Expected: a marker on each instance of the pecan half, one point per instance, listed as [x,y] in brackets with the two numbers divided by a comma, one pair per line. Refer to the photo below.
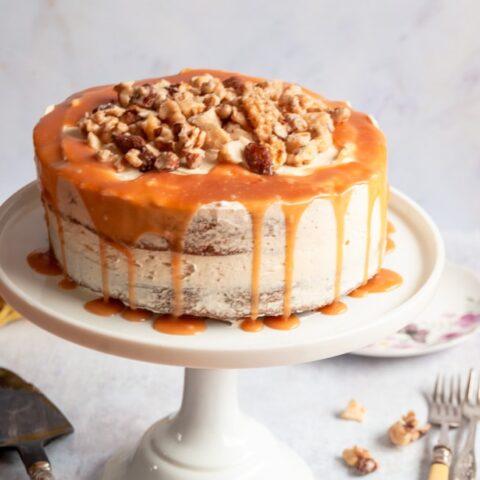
[148,160]
[258,159]
[126,142]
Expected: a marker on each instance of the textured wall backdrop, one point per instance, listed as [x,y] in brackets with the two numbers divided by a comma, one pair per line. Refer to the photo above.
[413,64]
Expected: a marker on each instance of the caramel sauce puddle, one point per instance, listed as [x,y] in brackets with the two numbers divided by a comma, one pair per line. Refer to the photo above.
[104,308]
[335,308]
[67,284]
[384,281]
[44,262]
[184,325]
[137,315]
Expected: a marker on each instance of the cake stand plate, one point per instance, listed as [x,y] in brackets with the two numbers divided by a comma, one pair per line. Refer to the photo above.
[209,438]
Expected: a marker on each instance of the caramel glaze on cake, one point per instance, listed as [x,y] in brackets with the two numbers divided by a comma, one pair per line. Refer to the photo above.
[163,204]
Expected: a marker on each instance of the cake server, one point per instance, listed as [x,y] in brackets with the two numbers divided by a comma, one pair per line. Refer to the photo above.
[28,421]
[444,410]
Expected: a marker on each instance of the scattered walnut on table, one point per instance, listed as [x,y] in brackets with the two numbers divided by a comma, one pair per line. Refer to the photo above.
[407,430]
[354,411]
[360,459]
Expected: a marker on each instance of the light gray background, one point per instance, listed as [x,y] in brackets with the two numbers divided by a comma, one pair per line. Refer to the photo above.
[413,64]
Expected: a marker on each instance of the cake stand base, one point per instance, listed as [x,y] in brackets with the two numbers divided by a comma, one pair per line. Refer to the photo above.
[208,439]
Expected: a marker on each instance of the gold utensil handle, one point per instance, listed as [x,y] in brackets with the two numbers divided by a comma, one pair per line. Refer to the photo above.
[40,471]
[438,471]
[442,459]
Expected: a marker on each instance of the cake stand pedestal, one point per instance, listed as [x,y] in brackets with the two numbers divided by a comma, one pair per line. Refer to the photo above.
[210,438]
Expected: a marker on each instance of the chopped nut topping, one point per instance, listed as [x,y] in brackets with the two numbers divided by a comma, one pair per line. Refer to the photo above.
[258,159]
[354,411]
[167,161]
[407,430]
[360,459]
[126,142]
[163,126]
[340,114]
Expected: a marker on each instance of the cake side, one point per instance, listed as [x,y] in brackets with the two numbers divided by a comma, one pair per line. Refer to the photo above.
[218,284]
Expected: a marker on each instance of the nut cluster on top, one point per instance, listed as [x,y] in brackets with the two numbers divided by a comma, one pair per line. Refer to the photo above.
[164,126]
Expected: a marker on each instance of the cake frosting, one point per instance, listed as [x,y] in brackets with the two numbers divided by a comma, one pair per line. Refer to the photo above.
[258,215]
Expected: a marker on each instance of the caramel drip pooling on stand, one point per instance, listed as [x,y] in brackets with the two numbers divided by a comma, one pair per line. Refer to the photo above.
[335,308]
[384,281]
[251,325]
[44,262]
[104,308]
[281,322]
[163,203]
[67,283]
[137,315]
[184,325]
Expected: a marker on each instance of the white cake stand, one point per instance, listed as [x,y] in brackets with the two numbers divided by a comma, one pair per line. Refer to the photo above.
[209,438]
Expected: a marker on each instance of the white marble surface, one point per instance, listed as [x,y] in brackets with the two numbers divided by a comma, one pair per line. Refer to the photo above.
[415,65]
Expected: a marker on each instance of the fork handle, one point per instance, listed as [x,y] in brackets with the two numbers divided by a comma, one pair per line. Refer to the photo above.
[465,467]
[442,458]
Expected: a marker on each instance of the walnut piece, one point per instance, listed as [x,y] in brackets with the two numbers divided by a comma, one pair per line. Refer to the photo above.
[360,459]
[259,125]
[407,430]
[354,411]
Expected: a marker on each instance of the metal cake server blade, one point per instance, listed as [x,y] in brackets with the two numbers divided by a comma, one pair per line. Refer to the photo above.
[28,421]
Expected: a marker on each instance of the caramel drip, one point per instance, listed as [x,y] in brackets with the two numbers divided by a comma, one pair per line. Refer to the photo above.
[251,325]
[390,245]
[104,308]
[61,237]
[184,325]
[176,263]
[104,268]
[131,269]
[257,215]
[335,308]
[383,227]
[293,215]
[340,206]
[384,281]
[132,275]
[137,315]
[373,194]
[44,262]
[67,284]
[282,323]
[391,228]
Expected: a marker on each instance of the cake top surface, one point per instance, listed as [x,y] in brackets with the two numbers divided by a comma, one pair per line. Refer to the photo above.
[115,188]
[192,125]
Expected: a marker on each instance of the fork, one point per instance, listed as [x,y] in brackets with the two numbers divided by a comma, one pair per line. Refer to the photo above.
[444,410]
[465,466]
